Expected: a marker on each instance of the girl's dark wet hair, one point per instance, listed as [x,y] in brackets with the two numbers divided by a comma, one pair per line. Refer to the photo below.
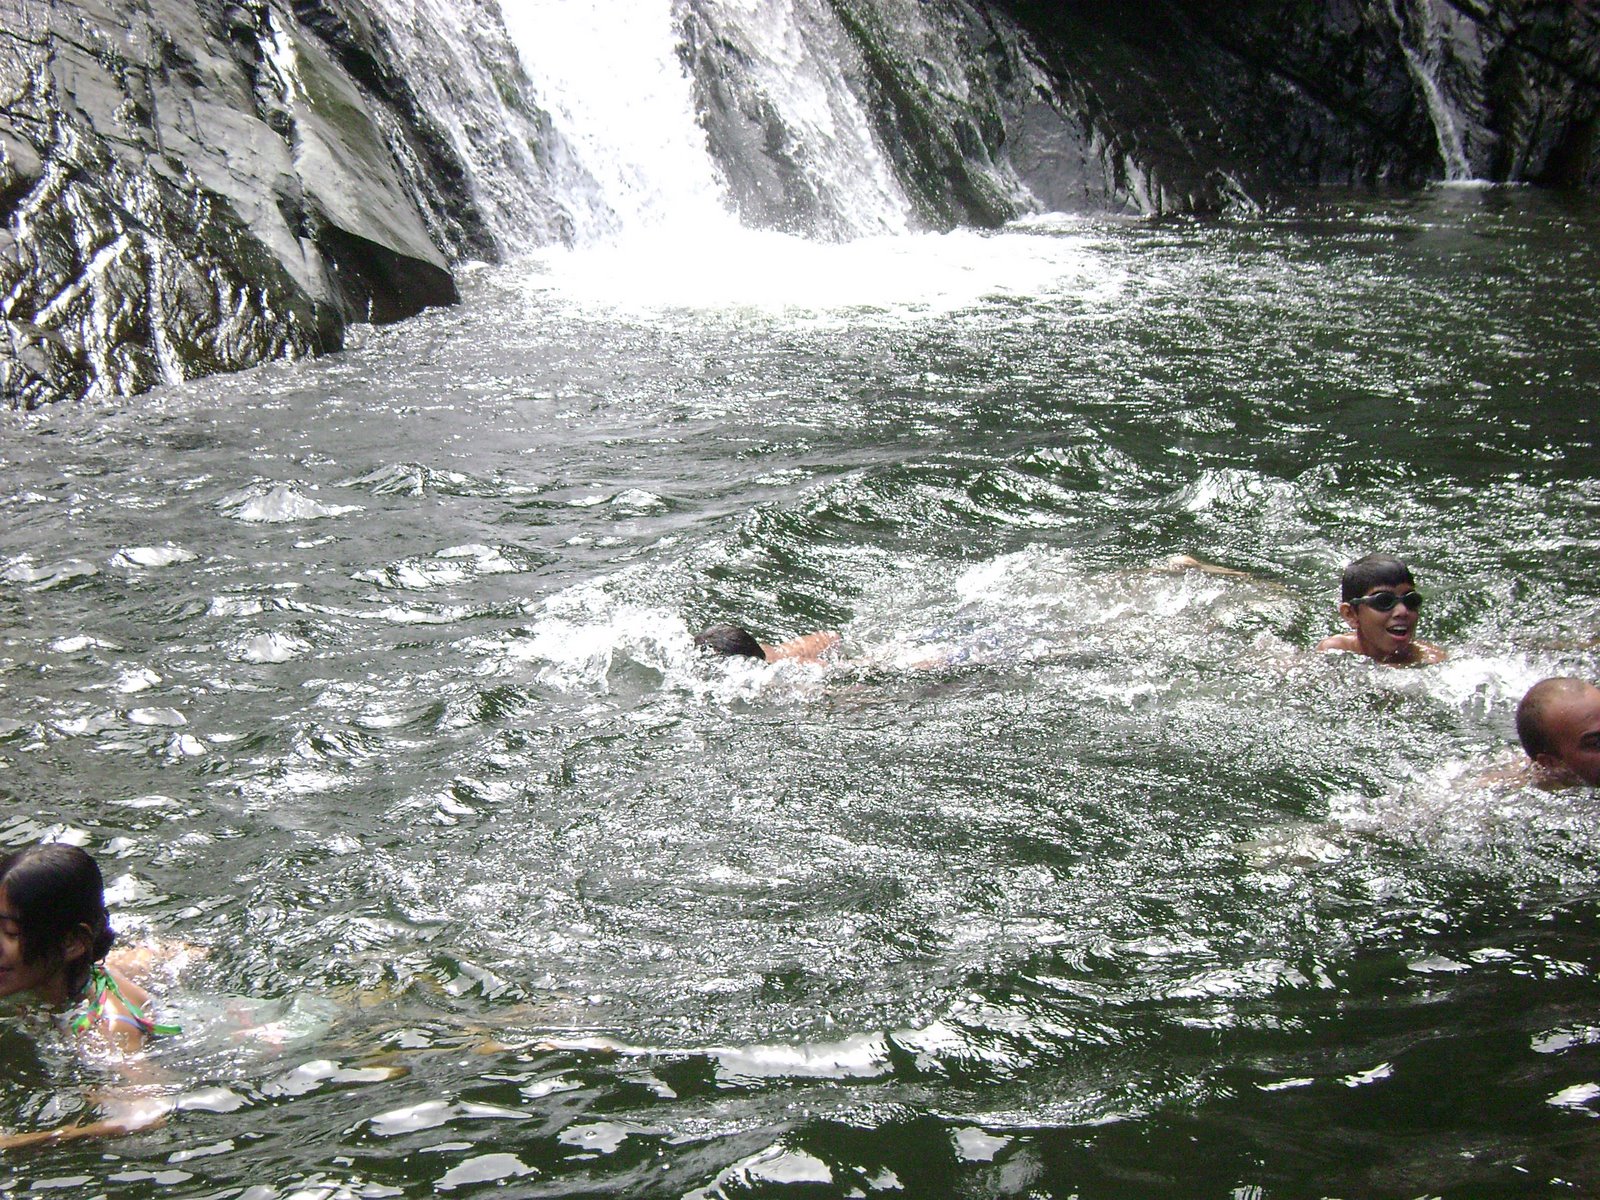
[52,890]
[1375,570]
[730,641]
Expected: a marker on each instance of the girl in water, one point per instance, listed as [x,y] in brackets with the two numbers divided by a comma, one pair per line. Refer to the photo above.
[54,937]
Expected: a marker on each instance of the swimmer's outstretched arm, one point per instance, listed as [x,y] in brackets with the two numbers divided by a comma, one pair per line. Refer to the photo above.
[125,1111]
[1188,562]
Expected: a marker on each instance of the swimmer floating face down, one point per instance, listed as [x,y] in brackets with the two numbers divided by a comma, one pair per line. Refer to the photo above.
[733,641]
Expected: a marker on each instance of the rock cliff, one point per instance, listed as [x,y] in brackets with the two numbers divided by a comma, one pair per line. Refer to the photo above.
[1200,106]
[189,187]
[1196,104]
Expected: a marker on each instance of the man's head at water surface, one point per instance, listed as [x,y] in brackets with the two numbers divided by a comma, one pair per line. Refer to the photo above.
[1375,571]
[1378,599]
[730,641]
[1558,723]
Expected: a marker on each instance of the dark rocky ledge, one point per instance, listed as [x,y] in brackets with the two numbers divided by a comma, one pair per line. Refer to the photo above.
[1202,105]
[189,188]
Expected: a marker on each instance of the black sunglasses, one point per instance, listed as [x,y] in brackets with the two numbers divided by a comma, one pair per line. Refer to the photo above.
[1385,601]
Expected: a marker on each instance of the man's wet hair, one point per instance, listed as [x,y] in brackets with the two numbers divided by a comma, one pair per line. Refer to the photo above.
[730,641]
[1533,713]
[1375,570]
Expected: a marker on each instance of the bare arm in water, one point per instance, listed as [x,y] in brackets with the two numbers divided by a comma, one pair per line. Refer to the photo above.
[126,1116]
[111,1025]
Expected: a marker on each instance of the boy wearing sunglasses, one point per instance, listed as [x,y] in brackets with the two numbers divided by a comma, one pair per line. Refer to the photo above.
[1379,600]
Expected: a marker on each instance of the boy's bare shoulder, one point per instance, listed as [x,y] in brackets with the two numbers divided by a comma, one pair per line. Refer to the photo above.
[1428,653]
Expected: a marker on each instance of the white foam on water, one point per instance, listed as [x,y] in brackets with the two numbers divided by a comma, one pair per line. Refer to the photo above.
[22,570]
[1580,1097]
[452,565]
[887,278]
[278,503]
[271,648]
[863,1056]
[152,556]
[137,680]
[156,716]
[80,642]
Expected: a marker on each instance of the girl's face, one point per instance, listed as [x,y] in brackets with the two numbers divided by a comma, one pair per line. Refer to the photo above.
[15,974]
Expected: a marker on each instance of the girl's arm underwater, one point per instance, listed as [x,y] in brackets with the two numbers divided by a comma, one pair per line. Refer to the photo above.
[126,1116]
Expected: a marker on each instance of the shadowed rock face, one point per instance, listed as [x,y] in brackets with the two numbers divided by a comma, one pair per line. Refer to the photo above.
[1196,105]
[992,108]
[189,186]
[186,189]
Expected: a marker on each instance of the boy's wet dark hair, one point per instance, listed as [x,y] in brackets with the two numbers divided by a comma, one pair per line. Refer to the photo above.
[53,889]
[730,641]
[1375,570]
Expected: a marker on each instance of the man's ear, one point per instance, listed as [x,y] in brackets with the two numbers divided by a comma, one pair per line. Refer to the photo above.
[1348,612]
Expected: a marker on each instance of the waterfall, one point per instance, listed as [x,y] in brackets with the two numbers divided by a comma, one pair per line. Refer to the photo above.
[1451,147]
[789,79]
[681,116]
[608,74]
[613,79]
[1427,58]
[464,74]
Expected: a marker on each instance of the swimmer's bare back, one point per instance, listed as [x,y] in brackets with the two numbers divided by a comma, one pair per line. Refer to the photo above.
[813,647]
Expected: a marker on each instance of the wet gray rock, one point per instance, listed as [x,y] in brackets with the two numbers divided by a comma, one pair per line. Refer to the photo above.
[189,188]
[991,108]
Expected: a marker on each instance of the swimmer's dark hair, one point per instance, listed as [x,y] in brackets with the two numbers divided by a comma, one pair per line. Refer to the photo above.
[1533,713]
[730,641]
[53,889]
[1375,570]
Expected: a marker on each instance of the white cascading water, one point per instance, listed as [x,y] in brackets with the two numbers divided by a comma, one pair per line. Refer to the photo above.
[1423,62]
[458,75]
[608,74]
[653,227]
[801,60]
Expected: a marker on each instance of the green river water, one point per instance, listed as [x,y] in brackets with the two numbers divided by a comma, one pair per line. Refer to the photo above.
[369,681]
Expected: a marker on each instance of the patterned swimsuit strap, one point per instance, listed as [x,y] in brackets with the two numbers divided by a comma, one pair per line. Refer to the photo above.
[100,983]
